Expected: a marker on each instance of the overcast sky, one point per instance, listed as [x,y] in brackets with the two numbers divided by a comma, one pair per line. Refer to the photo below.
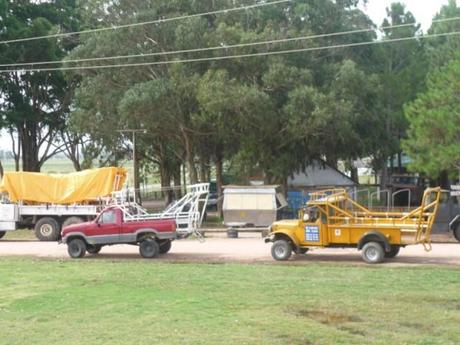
[423,10]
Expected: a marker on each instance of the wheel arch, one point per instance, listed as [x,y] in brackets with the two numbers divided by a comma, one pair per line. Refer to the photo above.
[283,235]
[146,232]
[374,236]
[75,236]
[454,222]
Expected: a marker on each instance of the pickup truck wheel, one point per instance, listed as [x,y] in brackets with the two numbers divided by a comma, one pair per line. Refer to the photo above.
[47,229]
[149,248]
[393,252]
[93,249]
[76,248]
[281,250]
[165,246]
[373,253]
[2,233]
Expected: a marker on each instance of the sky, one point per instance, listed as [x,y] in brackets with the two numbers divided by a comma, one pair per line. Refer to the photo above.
[423,10]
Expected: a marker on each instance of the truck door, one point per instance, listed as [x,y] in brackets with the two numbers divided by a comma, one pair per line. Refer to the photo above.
[108,226]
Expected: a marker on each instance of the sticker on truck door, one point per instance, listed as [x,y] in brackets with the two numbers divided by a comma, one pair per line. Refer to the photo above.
[311,233]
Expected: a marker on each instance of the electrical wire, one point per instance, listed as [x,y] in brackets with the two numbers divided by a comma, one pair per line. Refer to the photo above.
[222,47]
[216,58]
[157,21]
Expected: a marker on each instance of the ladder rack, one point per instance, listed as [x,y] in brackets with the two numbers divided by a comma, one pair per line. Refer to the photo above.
[188,212]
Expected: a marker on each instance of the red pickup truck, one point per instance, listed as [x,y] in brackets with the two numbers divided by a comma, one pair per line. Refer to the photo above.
[153,236]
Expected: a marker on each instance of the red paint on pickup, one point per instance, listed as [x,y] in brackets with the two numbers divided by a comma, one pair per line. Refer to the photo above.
[110,223]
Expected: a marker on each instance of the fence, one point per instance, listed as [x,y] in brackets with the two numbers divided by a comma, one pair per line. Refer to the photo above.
[371,197]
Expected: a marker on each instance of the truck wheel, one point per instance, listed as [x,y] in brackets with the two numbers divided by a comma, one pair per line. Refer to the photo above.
[71,221]
[93,249]
[2,233]
[149,248]
[373,253]
[281,250]
[457,233]
[165,246]
[76,248]
[47,229]
[393,252]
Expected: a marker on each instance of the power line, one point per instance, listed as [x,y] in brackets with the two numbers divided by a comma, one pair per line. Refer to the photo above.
[157,21]
[215,58]
[240,45]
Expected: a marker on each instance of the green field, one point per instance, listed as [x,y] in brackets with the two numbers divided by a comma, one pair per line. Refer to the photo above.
[146,302]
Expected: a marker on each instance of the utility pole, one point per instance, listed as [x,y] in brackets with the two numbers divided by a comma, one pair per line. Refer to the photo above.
[136,183]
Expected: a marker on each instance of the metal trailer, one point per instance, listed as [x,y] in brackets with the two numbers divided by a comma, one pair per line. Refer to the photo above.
[252,206]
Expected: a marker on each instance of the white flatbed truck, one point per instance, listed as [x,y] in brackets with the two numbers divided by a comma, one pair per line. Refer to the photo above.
[46,220]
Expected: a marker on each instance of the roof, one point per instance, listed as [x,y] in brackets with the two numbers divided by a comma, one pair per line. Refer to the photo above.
[319,173]
[263,189]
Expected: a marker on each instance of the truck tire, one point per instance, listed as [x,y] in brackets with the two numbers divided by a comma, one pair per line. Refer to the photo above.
[281,250]
[456,232]
[93,249]
[76,248]
[2,233]
[373,253]
[47,229]
[71,220]
[149,248]
[393,252]
[165,246]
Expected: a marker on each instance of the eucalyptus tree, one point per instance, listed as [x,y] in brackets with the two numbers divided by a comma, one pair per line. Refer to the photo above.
[34,104]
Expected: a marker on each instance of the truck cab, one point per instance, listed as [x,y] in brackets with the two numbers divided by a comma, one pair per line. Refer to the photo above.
[153,236]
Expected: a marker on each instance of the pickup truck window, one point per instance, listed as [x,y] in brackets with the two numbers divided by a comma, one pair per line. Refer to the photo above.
[108,217]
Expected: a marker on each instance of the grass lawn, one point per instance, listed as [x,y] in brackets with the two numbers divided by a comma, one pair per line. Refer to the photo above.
[23,234]
[145,302]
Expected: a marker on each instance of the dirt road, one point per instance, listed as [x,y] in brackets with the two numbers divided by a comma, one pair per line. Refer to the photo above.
[245,250]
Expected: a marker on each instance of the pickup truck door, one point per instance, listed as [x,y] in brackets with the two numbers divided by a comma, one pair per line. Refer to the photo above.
[107,227]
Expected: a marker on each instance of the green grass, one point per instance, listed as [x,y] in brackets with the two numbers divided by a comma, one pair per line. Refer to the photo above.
[23,234]
[146,302]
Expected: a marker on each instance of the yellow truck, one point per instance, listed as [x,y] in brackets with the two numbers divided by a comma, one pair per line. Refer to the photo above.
[332,218]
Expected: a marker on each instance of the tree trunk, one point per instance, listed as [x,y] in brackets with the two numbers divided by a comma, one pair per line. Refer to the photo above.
[203,177]
[1,170]
[384,176]
[27,135]
[177,182]
[331,161]
[165,181]
[193,176]
[219,183]
[443,180]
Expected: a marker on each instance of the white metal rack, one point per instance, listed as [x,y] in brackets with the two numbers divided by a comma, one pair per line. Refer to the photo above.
[188,212]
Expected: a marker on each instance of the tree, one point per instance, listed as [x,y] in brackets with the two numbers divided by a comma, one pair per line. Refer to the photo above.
[441,50]
[35,103]
[402,70]
[434,119]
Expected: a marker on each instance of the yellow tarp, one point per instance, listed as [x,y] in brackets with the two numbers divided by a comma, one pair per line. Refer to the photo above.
[62,188]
